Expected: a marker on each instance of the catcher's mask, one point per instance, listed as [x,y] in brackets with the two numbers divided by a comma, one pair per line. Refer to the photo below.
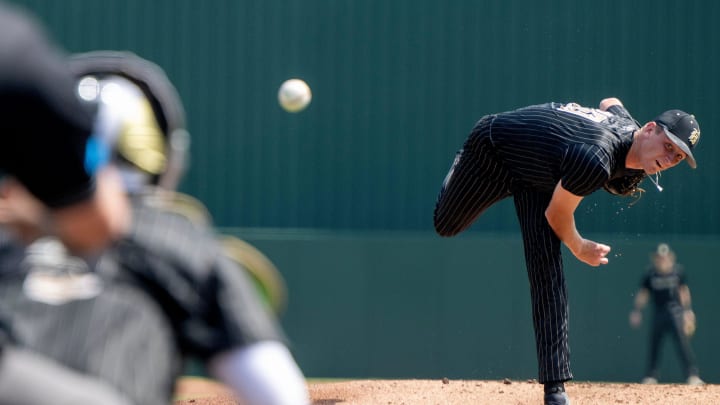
[144,112]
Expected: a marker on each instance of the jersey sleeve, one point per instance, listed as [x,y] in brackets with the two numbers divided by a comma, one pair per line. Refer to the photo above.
[585,168]
[245,318]
[210,300]
[682,278]
[645,281]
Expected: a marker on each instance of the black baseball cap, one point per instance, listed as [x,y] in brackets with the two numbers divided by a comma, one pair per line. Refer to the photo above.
[683,129]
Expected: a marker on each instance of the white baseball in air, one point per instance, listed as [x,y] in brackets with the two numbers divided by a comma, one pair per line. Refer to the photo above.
[294,95]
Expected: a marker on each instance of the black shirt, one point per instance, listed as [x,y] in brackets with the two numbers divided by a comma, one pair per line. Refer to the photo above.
[583,147]
[664,287]
[164,293]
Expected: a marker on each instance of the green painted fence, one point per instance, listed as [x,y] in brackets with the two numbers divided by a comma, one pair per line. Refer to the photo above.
[394,305]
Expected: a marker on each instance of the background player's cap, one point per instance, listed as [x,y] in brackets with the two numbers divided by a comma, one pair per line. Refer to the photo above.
[683,129]
[663,250]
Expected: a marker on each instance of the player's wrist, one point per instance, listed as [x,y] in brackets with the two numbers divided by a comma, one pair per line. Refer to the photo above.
[574,244]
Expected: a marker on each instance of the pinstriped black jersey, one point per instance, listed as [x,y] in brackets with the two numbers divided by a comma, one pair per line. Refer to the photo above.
[164,293]
[582,147]
[117,333]
[209,298]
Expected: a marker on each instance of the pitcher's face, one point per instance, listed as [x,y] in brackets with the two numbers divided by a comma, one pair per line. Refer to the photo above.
[658,152]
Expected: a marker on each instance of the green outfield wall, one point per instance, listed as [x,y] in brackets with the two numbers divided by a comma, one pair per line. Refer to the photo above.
[398,305]
[341,195]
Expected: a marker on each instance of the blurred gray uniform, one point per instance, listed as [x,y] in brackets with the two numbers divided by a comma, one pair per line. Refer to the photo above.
[46,144]
[164,294]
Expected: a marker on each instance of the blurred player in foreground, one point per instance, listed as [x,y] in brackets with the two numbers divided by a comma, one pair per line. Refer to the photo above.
[165,293]
[48,145]
[548,157]
[672,312]
[61,188]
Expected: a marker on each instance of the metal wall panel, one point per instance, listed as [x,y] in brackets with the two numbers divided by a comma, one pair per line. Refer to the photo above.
[397,85]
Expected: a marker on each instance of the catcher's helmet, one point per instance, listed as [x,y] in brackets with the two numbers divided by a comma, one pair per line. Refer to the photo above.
[151,143]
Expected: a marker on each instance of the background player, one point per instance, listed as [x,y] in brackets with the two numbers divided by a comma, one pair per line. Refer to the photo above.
[548,157]
[77,199]
[166,292]
[672,312]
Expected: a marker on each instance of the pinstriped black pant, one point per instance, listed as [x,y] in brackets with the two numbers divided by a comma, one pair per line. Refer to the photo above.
[477,180]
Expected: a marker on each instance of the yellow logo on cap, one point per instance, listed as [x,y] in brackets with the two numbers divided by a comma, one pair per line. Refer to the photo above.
[694,136]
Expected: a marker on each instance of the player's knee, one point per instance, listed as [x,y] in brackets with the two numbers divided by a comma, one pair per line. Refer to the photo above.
[442,231]
[445,228]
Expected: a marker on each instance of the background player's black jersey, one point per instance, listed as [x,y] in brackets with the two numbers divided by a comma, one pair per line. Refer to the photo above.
[664,288]
[583,147]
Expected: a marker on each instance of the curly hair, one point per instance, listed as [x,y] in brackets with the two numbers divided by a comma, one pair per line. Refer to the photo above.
[628,186]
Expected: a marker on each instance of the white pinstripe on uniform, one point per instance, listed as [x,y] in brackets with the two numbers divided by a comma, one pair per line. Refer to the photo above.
[524,153]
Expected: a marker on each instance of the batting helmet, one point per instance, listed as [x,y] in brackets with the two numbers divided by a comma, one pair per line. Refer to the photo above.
[151,143]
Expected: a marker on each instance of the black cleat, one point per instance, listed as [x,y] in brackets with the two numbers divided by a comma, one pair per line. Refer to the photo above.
[556,396]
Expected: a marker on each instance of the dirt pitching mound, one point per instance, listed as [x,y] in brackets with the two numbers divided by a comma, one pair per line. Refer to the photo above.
[197,391]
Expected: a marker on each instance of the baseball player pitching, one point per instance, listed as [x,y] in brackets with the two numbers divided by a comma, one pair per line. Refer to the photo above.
[548,157]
